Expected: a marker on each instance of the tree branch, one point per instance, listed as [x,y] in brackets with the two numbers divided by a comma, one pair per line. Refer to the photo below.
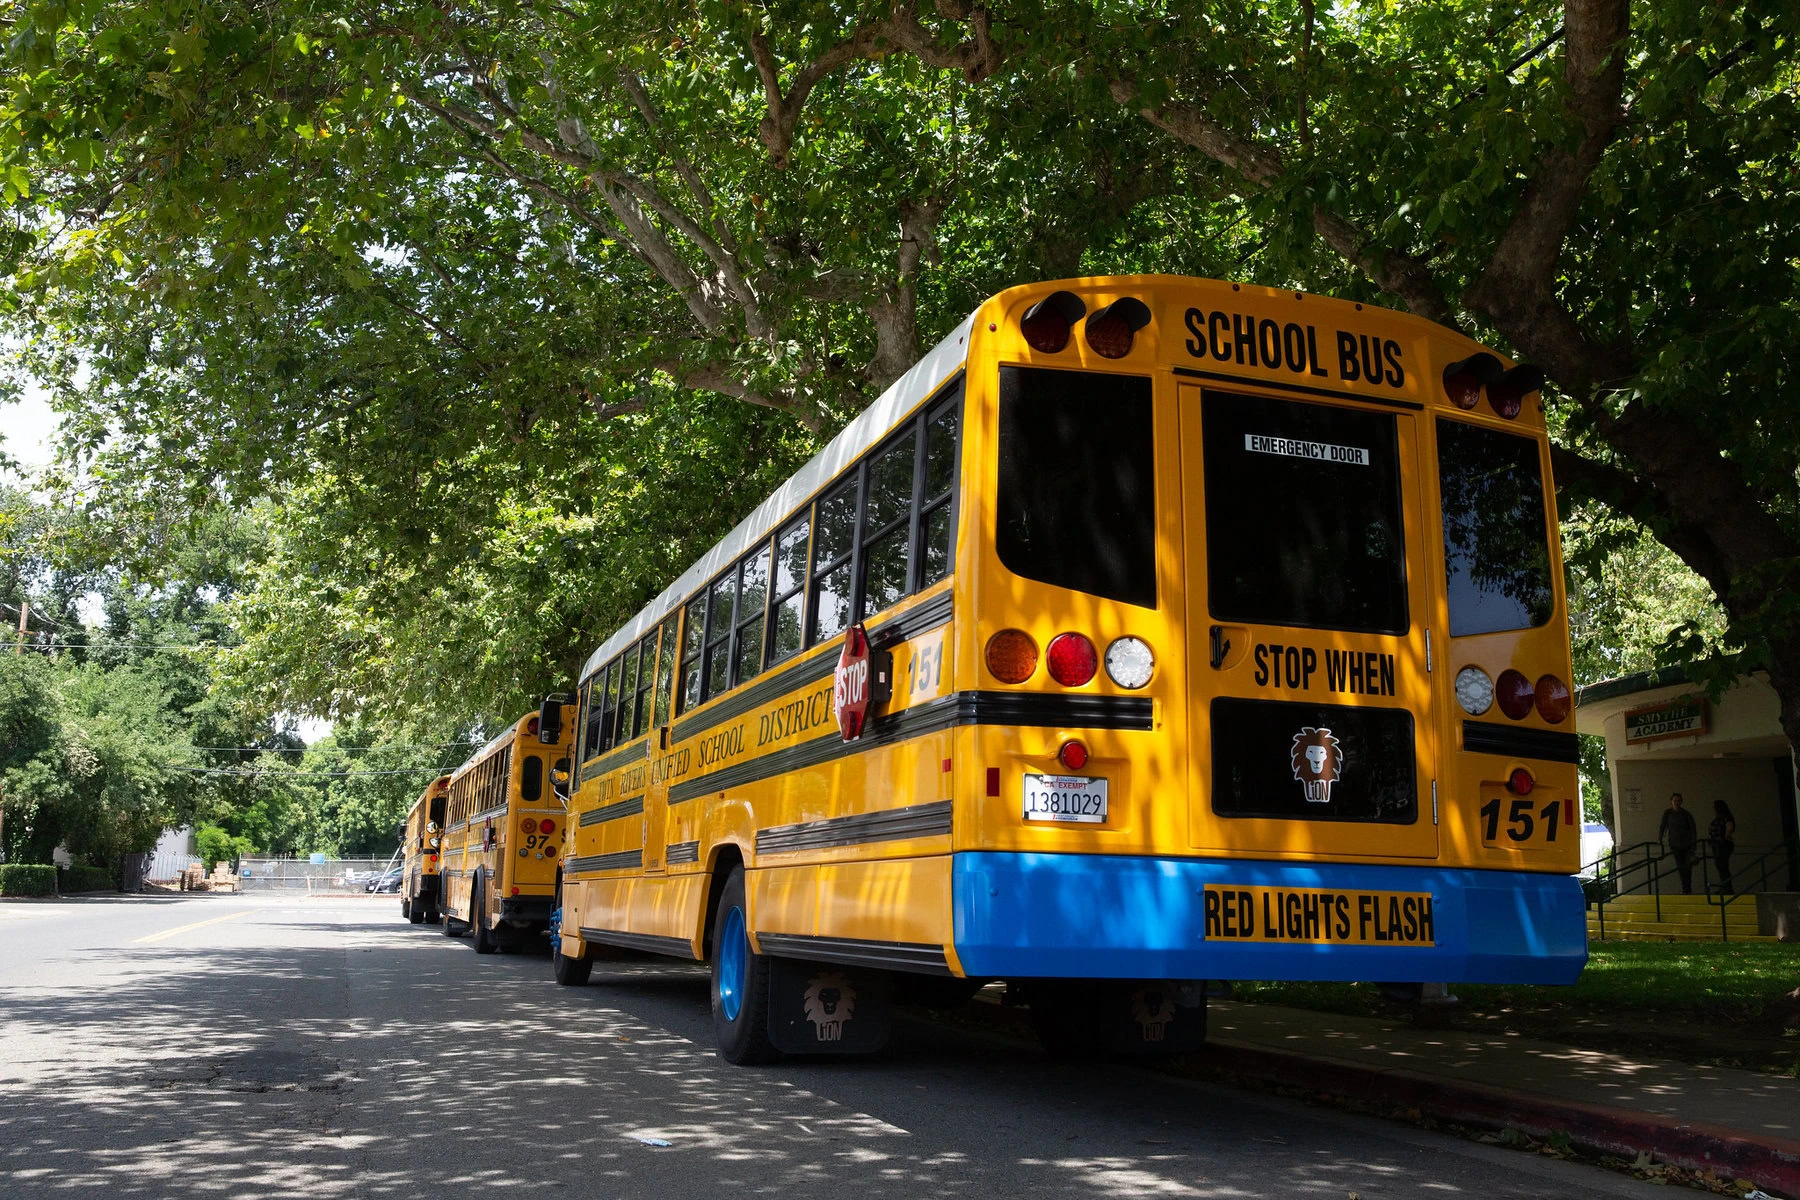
[1392,270]
[976,58]
[1517,287]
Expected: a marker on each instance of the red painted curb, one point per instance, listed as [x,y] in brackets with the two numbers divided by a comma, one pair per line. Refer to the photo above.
[1772,1163]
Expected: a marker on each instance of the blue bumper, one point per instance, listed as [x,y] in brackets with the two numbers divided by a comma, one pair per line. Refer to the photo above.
[1118,917]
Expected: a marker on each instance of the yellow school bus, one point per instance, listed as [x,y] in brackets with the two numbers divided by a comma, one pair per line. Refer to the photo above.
[1149,631]
[504,834]
[421,849]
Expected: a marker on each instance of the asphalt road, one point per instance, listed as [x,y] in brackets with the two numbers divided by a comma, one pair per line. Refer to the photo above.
[265,1046]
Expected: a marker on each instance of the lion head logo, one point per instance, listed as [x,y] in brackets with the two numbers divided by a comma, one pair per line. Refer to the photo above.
[1317,760]
[1153,1008]
[830,1001]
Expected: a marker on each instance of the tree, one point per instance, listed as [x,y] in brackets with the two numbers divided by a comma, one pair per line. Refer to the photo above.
[559,205]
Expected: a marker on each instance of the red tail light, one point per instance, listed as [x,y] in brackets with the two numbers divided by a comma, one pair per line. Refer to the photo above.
[1520,782]
[1507,393]
[515,891]
[1514,693]
[531,727]
[1073,755]
[1111,331]
[1464,379]
[1553,699]
[546,827]
[1072,659]
[1047,323]
[528,825]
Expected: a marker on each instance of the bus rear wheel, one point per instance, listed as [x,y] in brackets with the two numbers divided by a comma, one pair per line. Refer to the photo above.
[406,910]
[484,942]
[740,982]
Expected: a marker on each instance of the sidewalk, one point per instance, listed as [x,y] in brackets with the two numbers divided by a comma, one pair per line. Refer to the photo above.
[1737,1123]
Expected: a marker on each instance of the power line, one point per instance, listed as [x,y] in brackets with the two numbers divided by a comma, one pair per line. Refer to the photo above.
[321,748]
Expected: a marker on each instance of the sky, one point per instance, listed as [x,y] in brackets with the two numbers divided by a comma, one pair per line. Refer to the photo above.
[26,429]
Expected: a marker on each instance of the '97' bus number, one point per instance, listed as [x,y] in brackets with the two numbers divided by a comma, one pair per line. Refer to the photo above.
[1521,822]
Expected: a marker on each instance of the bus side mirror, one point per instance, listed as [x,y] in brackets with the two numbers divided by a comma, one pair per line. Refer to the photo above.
[550,718]
[559,779]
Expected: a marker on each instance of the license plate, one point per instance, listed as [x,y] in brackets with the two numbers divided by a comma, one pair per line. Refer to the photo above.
[1319,916]
[1065,798]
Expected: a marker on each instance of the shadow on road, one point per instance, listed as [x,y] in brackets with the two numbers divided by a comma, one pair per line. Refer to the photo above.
[355,1058]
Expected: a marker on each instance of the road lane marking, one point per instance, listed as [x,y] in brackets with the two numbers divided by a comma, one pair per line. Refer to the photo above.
[169,933]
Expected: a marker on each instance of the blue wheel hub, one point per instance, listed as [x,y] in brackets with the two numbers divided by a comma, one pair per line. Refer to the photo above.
[734,963]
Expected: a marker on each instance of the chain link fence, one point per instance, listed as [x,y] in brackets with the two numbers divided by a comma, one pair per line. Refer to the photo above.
[341,875]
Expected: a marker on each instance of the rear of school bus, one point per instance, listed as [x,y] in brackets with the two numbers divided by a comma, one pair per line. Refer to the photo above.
[1264,594]
[508,820]
[422,851]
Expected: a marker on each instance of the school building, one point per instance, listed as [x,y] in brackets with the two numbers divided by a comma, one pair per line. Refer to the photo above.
[1664,734]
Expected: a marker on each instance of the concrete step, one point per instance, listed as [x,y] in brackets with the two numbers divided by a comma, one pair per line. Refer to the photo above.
[1642,935]
[1676,918]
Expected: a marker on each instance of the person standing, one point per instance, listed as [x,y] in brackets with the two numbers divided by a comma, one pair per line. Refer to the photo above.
[1720,834]
[1679,835]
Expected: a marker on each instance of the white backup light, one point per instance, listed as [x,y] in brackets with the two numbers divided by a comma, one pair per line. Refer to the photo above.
[1474,690]
[1129,662]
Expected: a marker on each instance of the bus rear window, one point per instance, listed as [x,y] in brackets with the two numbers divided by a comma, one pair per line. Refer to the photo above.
[1077,496]
[1496,540]
[1303,515]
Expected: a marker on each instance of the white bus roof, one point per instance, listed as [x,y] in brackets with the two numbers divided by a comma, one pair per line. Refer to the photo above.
[874,422]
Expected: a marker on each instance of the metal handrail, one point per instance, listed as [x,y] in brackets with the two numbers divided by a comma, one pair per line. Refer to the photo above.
[1654,865]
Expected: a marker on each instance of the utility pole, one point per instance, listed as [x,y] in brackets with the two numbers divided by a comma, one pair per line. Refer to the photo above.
[24,611]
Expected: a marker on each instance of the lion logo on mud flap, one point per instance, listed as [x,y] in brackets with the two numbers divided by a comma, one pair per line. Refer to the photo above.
[830,1001]
[1317,760]
[1153,1008]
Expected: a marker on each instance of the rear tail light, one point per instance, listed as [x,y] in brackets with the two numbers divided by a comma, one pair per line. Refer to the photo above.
[546,827]
[515,891]
[1073,755]
[1515,694]
[1071,659]
[1474,690]
[1552,699]
[1047,323]
[1129,662]
[531,727]
[528,825]
[1507,394]
[1011,656]
[1111,331]
[1464,379]
[1520,782]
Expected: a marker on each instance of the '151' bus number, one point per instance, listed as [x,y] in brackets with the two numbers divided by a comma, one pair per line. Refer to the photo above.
[1520,821]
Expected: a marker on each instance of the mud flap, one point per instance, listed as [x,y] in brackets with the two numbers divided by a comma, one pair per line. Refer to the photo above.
[822,1008]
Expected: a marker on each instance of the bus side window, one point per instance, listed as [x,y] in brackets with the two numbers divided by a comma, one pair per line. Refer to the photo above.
[832,544]
[693,641]
[531,779]
[640,708]
[887,524]
[590,715]
[752,606]
[937,492]
[609,719]
[718,634]
[665,673]
[786,628]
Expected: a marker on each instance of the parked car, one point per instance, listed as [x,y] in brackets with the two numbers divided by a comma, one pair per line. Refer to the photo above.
[1596,843]
[386,881]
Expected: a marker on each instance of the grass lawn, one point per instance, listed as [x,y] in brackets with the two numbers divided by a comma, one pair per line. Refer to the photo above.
[1704,1002]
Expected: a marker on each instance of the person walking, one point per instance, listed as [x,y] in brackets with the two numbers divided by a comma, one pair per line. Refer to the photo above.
[1720,834]
[1679,835]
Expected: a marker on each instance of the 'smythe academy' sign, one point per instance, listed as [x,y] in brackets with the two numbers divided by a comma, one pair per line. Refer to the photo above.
[1684,716]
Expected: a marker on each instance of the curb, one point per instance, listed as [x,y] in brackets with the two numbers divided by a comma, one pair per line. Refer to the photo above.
[1774,1163]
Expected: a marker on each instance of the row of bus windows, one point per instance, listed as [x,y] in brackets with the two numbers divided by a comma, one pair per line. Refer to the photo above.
[881,531]
[481,788]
